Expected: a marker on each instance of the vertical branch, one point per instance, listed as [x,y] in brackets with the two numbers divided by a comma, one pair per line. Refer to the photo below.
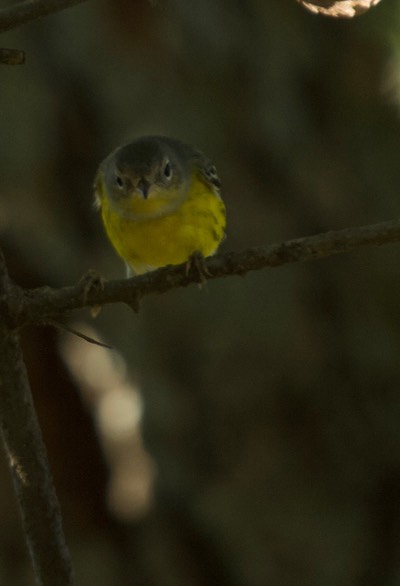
[27,457]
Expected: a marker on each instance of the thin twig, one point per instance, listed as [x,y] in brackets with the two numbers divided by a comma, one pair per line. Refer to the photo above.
[55,324]
[27,457]
[28,10]
[38,305]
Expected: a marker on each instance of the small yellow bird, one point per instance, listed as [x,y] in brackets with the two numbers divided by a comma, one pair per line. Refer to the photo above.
[160,203]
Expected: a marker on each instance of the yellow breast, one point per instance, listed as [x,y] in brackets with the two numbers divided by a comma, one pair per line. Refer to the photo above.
[198,224]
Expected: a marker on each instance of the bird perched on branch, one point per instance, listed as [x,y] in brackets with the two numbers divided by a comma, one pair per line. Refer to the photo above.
[160,203]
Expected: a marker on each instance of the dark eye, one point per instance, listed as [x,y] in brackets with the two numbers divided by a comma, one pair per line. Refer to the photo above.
[167,171]
[119,181]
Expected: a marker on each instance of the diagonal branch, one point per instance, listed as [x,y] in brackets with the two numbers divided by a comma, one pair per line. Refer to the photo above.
[38,305]
[28,10]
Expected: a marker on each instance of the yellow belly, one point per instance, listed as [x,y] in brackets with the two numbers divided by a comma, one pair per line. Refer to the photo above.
[145,244]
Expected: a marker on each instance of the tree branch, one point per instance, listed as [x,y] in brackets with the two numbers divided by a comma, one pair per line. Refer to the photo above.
[18,307]
[28,10]
[26,453]
[38,305]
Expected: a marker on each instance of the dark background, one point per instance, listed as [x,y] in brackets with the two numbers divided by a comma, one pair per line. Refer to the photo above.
[247,433]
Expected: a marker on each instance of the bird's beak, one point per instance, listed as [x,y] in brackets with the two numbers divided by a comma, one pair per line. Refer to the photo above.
[143,186]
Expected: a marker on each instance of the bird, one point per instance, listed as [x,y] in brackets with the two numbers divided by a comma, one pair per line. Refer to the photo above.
[160,203]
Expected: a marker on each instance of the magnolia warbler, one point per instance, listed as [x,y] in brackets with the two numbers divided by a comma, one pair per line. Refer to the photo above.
[160,203]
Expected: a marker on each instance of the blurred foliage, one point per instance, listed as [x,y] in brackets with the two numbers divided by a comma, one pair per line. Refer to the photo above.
[271,404]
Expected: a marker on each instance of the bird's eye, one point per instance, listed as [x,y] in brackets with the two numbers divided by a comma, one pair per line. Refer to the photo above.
[167,171]
[119,181]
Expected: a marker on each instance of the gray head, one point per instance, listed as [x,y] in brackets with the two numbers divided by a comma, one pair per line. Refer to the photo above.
[146,163]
